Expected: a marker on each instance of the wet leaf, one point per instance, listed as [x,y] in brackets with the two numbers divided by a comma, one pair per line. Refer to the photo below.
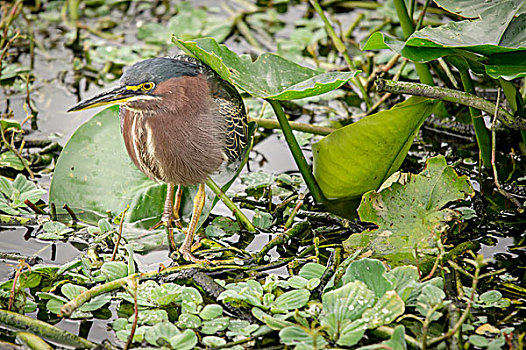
[14,193]
[344,305]
[385,311]
[222,226]
[151,317]
[262,219]
[371,272]
[184,341]
[211,311]
[297,282]
[113,270]
[54,230]
[311,270]
[162,330]
[213,326]
[379,144]
[411,213]
[294,299]
[188,321]
[10,160]
[430,298]
[404,279]
[295,335]
[213,341]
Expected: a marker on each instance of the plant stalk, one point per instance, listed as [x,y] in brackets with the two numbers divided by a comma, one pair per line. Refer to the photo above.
[310,128]
[422,69]
[481,132]
[245,222]
[43,329]
[295,149]
[340,46]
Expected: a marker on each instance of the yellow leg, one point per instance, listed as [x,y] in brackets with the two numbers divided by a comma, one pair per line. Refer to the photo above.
[186,247]
[177,205]
[171,213]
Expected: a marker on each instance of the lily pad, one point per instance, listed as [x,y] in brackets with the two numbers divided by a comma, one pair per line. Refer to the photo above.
[361,156]
[410,214]
[270,76]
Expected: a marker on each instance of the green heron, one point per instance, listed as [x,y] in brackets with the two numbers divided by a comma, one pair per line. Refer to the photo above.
[180,122]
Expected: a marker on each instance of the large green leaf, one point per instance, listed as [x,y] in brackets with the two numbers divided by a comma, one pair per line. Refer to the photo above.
[498,35]
[499,29]
[410,213]
[270,76]
[469,8]
[359,157]
[95,174]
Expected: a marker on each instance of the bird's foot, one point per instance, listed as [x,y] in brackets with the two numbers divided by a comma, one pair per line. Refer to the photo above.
[188,256]
[168,221]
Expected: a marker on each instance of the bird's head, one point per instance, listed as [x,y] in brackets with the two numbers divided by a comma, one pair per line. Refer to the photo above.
[139,83]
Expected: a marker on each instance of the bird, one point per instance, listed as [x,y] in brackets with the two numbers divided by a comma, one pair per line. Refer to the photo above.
[181,122]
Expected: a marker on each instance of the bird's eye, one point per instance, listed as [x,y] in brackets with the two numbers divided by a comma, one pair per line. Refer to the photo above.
[147,86]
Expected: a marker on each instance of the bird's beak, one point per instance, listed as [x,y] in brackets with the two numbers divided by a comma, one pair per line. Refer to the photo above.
[116,95]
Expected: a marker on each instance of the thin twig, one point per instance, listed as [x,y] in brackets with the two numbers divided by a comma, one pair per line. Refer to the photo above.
[116,248]
[340,46]
[133,285]
[33,207]
[18,155]
[241,218]
[294,211]
[493,165]
[20,267]
[68,308]
[478,264]
[70,212]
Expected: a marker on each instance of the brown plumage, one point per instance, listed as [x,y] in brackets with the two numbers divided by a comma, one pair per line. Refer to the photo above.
[180,121]
[205,124]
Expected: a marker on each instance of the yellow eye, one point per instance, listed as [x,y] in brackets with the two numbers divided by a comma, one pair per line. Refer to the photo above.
[147,86]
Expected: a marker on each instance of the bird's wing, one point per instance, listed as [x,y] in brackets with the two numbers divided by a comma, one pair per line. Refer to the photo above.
[231,108]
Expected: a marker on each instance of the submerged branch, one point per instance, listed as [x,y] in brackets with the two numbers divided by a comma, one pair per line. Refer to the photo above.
[43,329]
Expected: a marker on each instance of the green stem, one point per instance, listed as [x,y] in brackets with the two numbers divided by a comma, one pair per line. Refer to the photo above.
[451,95]
[481,132]
[295,149]
[408,28]
[245,222]
[43,329]
[32,341]
[312,129]
[422,69]
[340,46]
